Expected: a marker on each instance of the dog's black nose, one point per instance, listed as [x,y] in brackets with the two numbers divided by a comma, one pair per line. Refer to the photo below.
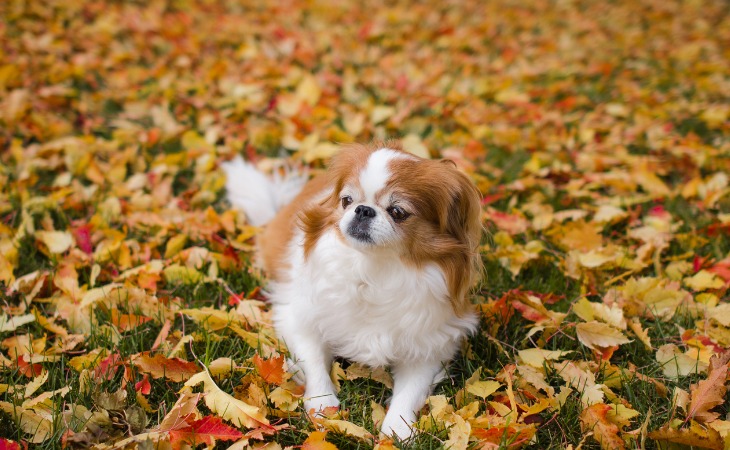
[362,212]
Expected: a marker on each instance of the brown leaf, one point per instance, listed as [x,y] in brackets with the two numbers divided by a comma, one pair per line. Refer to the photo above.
[710,392]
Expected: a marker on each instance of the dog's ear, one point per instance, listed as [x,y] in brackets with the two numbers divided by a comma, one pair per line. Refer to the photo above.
[465,226]
[448,162]
[464,218]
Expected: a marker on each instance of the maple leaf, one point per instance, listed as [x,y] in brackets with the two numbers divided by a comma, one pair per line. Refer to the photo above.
[710,392]
[203,431]
[595,418]
[271,370]
[159,366]
[219,402]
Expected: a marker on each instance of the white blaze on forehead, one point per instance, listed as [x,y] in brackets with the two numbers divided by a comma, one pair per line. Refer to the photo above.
[376,174]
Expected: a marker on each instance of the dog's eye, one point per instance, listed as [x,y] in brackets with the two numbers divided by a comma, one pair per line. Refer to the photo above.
[397,213]
[346,201]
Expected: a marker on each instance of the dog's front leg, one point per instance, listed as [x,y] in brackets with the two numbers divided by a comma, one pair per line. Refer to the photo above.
[412,385]
[314,359]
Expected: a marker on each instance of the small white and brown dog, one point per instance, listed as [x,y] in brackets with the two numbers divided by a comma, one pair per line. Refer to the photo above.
[371,261]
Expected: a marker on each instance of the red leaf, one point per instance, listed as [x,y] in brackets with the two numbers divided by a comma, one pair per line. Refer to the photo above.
[28,369]
[144,387]
[271,370]
[108,367]
[204,431]
[82,235]
[9,445]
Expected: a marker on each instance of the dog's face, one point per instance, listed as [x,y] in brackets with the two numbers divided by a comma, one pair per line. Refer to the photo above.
[374,212]
[383,199]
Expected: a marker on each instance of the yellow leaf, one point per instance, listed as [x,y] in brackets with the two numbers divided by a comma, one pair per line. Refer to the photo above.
[720,313]
[181,274]
[225,405]
[458,434]
[378,414]
[11,323]
[175,244]
[596,335]
[412,143]
[640,333]
[695,436]
[308,90]
[536,357]
[511,96]
[221,366]
[348,428]
[582,381]
[483,389]
[55,241]
[381,113]
[675,363]
[212,319]
[39,427]
[703,280]
[379,374]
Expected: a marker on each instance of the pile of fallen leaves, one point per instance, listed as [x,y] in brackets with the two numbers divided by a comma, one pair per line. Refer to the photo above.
[598,133]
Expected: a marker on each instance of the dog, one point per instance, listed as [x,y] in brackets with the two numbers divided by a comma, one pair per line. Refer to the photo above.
[371,261]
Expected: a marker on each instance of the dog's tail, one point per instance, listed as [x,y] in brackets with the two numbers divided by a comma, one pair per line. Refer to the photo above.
[260,196]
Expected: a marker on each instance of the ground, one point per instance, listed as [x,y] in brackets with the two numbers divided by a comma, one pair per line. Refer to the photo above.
[597,132]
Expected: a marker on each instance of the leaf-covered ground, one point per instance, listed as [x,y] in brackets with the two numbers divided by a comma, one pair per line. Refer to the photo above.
[598,133]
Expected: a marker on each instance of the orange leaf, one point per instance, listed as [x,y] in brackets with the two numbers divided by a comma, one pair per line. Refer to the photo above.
[204,431]
[271,370]
[159,366]
[594,418]
[316,441]
[126,322]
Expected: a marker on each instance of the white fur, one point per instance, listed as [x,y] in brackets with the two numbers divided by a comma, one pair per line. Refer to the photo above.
[366,305]
[376,173]
[258,195]
[371,308]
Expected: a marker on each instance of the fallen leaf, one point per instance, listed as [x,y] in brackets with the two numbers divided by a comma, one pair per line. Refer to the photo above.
[203,431]
[219,402]
[595,419]
[710,392]
[159,366]
[595,334]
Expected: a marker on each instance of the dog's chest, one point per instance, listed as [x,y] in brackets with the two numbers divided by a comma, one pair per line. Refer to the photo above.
[373,308]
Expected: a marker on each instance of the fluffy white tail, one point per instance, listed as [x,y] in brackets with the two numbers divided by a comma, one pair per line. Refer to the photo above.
[258,195]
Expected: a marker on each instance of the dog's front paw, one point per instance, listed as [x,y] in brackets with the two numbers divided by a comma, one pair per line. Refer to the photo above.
[398,426]
[316,404]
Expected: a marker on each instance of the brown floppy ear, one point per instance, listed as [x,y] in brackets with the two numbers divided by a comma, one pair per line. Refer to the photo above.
[448,162]
[465,226]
